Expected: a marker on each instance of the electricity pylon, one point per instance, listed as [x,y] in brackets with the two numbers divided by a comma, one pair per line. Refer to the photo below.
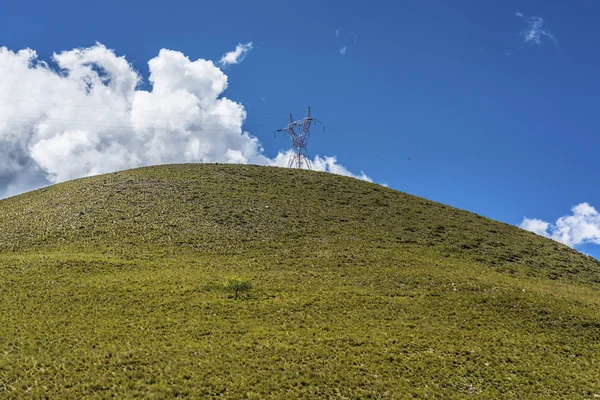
[300,155]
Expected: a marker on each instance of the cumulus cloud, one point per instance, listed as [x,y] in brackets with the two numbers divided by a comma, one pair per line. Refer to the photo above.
[326,164]
[84,114]
[580,227]
[535,31]
[236,56]
[329,164]
[536,226]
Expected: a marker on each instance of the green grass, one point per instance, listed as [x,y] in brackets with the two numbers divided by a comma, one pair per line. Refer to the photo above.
[113,286]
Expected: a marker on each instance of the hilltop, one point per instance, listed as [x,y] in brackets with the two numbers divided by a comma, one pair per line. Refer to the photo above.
[113,286]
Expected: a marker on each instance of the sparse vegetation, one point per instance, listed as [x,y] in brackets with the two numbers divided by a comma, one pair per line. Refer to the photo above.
[112,286]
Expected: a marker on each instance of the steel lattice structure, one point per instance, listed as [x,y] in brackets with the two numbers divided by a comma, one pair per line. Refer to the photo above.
[300,155]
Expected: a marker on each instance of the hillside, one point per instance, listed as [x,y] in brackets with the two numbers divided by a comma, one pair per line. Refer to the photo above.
[113,286]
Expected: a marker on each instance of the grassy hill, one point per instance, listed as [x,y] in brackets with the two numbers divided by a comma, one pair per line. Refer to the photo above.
[113,286]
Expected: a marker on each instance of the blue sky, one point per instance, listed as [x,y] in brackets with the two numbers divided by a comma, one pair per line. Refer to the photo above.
[495,118]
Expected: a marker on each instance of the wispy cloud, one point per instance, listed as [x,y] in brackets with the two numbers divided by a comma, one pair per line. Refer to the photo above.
[580,227]
[345,38]
[236,56]
[535,31]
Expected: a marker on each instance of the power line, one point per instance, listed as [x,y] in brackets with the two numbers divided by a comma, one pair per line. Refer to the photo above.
[124,125]
[389,164]
[44,119]
[118,109]
[120,124]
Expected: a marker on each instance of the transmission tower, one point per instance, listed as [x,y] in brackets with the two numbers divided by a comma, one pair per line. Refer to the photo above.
[300,155]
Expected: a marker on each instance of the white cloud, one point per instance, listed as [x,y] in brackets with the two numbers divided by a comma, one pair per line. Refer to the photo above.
[536,226]
[86,116]
[582,226]
[236,56]
[535,31]
[344,49]
[326,164]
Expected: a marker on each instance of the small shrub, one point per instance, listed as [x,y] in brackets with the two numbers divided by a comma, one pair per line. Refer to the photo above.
[238,285]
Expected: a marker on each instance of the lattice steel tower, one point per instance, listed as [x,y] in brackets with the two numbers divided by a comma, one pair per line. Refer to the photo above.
[300,155]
